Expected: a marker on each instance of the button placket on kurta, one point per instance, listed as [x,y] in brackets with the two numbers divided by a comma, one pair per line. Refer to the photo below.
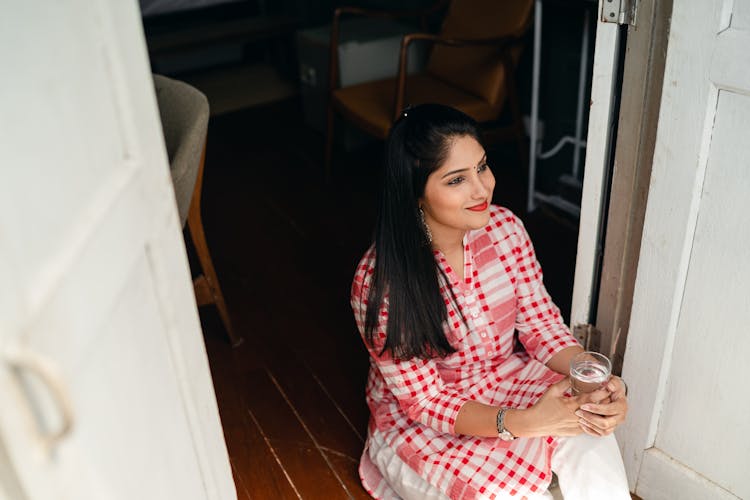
[469,290]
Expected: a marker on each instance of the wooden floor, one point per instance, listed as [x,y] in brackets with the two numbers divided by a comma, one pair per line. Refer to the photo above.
[285,246]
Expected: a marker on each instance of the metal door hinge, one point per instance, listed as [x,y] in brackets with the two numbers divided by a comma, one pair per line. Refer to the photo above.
[619,11]
[589,336]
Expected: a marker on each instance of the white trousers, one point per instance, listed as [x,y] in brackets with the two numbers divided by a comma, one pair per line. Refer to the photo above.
[587,468]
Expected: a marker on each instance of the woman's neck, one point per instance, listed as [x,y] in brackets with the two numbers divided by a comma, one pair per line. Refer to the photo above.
[452,247]
[448,242]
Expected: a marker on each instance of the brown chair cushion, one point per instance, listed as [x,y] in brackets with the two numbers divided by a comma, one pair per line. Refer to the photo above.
[478,70]
[473,19]
[370,105]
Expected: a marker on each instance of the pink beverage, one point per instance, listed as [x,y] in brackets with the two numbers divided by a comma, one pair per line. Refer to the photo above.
[588,372]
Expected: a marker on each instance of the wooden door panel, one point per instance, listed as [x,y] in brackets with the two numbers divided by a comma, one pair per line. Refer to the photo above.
[71,166]
[711,346]
[128,413]
[740,16]
[686,435]
[96,293]
[91,279]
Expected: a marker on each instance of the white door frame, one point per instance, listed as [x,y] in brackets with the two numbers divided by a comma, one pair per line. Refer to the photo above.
[642,79]
[595,176]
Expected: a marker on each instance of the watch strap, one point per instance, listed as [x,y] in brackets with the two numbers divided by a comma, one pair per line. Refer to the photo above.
[502,432]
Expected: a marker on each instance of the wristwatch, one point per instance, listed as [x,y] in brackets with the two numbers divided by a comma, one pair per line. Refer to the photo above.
[502,432]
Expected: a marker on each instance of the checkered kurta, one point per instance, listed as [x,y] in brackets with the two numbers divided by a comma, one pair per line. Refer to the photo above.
[414,403]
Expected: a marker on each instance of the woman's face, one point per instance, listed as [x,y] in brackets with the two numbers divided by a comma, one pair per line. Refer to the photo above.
[457,195]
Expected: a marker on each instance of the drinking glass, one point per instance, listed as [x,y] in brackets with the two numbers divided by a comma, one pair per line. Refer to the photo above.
[589,371]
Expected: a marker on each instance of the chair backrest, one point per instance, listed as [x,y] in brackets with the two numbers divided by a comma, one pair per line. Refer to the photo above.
[479,70]
[184,118]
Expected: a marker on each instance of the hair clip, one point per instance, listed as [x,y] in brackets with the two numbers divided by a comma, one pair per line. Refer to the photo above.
[405,112]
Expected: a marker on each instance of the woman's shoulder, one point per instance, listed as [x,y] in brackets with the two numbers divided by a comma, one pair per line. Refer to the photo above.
[367,262]
[364,271]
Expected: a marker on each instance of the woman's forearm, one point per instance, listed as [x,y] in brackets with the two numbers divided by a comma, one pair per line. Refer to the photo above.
[560,362]
[477,419]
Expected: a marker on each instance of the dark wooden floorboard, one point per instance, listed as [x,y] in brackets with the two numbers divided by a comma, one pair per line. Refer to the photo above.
[285,246]
[349,474]
[299,453]
[256,470]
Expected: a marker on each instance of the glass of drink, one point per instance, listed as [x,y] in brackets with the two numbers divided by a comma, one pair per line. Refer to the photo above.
[589,371]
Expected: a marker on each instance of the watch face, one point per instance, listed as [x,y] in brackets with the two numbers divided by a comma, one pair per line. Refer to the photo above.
[502,432]
[506,436]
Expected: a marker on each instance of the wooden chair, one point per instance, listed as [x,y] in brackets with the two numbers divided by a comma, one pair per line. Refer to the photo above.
[471,67]
[184,116]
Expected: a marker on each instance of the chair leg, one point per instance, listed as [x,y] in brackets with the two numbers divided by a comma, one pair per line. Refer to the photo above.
[210,281]
[329,144]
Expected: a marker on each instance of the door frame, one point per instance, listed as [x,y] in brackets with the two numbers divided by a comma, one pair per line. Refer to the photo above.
[643,76]
[616,185]
[596,170]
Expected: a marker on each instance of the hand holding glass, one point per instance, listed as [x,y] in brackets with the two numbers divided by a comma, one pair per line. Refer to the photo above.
[589,371]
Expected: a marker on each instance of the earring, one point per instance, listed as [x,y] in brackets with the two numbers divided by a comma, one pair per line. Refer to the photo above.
[427,231]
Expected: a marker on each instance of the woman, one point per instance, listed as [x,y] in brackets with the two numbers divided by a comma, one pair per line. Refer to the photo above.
[455,412]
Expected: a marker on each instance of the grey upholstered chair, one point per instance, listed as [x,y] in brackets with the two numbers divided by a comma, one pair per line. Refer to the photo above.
[184,117]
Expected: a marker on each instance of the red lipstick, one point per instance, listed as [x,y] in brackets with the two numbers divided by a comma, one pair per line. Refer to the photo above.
[479,208]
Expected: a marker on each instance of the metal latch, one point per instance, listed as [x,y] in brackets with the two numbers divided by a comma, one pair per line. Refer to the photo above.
[619,11]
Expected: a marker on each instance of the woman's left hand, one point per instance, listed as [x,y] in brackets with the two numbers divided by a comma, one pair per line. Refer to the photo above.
[603,418]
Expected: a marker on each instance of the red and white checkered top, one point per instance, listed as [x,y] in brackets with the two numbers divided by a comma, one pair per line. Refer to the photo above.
[414,403]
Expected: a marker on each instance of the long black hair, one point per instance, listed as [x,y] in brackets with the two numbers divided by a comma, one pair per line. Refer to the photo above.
[405,266]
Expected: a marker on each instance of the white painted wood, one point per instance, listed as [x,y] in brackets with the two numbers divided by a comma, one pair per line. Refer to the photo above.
[664,478]
[96,289]
[687,349]
[714,315]
[595,179]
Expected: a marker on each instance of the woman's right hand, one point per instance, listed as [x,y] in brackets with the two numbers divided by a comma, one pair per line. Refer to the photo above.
[554,413]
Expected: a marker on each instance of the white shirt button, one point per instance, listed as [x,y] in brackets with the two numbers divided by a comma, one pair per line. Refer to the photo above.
[483,334]
[474,313]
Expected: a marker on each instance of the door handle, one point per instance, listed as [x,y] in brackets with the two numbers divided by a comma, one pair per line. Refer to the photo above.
[26,364]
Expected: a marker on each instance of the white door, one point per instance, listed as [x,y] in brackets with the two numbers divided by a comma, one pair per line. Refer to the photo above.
[105,390]
[688,432]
